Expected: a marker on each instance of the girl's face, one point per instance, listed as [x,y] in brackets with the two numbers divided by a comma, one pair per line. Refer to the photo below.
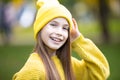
[55,33]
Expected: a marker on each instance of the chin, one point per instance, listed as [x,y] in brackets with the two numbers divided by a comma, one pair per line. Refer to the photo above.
[55,47]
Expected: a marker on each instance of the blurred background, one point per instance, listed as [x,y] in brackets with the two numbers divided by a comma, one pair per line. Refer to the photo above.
[98,20]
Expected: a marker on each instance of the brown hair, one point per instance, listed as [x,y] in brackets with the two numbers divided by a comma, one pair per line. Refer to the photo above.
[63,54]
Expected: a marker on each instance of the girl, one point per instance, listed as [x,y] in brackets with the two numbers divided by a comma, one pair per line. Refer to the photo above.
[56,33]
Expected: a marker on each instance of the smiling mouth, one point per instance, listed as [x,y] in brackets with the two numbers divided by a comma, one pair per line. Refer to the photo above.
[56,39]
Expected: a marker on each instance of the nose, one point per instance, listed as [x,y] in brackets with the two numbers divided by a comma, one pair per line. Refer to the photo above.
[59,32]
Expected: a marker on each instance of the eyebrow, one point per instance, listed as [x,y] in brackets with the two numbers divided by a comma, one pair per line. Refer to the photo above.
[54,22]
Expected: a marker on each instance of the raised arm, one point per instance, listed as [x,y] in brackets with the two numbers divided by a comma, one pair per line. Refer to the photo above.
[93,65]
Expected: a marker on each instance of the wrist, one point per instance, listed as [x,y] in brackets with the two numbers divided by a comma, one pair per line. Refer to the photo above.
[75,36]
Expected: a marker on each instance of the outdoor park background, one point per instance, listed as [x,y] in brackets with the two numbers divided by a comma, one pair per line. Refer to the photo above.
[99,21]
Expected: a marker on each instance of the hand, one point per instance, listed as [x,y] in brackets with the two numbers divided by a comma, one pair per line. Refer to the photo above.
[75,31]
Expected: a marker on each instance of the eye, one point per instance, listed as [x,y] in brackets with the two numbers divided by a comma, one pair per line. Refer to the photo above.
[66,27]
[53,23]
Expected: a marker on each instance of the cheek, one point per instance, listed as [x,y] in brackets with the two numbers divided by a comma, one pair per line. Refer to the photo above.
[44,34]
[65,34]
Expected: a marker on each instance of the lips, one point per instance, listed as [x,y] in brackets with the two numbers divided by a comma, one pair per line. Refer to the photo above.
[56,39]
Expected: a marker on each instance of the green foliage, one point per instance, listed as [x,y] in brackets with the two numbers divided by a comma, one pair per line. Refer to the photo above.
[5,1]
[68,3]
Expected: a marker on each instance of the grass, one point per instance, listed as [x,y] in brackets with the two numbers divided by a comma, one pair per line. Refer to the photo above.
[12,59]
[112,51]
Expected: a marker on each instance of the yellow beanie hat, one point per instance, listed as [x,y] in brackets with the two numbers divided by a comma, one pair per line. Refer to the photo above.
[48,10]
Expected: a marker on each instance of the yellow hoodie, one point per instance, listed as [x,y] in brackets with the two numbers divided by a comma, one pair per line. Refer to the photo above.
[92,66]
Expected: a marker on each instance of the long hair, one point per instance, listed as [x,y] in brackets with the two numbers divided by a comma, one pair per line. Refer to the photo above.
[63,54]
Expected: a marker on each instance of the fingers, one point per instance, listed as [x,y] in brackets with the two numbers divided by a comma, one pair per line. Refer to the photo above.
[74,23]
[74,32]
[75,26]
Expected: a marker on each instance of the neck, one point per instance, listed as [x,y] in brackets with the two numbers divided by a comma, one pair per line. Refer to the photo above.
[51,51]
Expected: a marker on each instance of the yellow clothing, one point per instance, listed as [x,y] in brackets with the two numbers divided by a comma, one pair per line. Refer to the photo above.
[93,65]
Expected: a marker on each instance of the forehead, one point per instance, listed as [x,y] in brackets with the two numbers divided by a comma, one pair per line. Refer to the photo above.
[60,20]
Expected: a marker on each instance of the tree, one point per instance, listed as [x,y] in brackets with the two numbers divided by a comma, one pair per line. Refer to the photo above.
[103,13]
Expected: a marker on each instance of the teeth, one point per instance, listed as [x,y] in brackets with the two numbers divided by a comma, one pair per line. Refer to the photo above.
[56,39]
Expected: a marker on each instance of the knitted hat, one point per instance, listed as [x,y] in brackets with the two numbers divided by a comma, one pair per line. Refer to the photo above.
[47,11]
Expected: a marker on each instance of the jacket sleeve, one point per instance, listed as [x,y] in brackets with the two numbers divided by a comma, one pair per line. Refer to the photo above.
[93,64]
